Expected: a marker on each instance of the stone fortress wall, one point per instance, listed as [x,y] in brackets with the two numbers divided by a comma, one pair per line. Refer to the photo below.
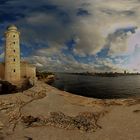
[27,70]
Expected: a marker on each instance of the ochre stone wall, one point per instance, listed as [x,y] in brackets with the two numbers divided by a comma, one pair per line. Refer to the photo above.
[23,68]
[12,55]
[27,70]
[31,71]
[2,71]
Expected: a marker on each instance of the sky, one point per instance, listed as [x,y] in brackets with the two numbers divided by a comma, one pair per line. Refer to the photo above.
[76,35]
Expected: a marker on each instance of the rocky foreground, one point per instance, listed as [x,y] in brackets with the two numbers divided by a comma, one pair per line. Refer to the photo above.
[46,113]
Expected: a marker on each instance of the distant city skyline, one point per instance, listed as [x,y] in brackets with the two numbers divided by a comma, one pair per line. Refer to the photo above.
[76,36]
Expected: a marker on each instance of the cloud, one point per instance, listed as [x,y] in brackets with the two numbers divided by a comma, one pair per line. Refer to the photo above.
[1,56]
[53,60]
[94,25]
[117,42]
[93,32]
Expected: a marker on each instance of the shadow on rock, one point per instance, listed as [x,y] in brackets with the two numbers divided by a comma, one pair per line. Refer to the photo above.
[8,88]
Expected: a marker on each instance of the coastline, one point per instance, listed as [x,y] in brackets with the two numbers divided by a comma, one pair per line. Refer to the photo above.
[118,117]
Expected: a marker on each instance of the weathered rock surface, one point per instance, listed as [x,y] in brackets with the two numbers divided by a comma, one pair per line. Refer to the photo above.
[43,112]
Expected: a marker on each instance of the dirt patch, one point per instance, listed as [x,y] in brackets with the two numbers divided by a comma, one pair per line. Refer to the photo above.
[28,138]
[136,111]
[84,121]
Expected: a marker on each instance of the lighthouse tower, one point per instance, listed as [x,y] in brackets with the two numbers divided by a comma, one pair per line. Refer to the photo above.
[12,55]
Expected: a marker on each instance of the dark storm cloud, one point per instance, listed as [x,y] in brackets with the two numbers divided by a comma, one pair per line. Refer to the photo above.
[2,2]
[82,12]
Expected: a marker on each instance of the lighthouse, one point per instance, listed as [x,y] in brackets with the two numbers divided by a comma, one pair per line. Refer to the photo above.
[13,69]
[12,54]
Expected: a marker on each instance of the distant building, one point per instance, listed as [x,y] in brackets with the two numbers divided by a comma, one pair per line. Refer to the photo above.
[13,69]
[125,72]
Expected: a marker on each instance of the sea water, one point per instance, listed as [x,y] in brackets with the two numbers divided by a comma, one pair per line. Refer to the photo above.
[99,87]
